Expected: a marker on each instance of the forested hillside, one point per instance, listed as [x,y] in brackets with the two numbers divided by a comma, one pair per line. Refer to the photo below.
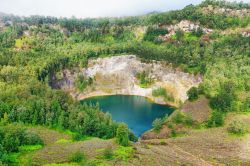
[211,39]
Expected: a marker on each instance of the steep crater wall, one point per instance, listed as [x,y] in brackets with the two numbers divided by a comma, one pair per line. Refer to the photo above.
[117,75]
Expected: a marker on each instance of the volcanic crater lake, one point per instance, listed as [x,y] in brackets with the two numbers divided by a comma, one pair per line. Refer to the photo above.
[136,111]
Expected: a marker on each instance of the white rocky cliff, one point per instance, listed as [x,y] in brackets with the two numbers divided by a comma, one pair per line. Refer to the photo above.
[117,75]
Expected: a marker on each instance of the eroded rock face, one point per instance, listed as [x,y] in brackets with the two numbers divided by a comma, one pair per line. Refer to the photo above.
[117,75]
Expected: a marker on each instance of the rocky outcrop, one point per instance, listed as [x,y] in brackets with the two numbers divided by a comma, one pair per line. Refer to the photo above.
[226,11]
[117,75]
[185,26]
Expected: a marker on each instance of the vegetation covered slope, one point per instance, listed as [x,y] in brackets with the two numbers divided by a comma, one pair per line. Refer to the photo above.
[34,49]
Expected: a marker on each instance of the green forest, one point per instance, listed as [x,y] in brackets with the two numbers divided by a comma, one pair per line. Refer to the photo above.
[34,49]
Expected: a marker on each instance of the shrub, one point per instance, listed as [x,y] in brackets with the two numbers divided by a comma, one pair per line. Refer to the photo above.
[157,124]
[163,143]
[122,134]
[216,120]
[189,120]
[5,120]
[163,93]
[237,127]
[182,118]
[124,153]
[77,137]
[108,153]
[145,79]
[81,82]
[153,33]
[179,34]
[223,101]
[159,92]
[198,32]
[192,93]
[11,142]
[179,117]
[132,137]
[77,157]
[173,132]
[3,155]
[31,138]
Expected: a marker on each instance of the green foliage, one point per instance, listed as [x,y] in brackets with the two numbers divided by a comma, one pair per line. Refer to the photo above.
[227,4]
[197,32]
[15,140]
[224,100]
[122,134]
[182,118]
[77,157]
[237,127]
[161,92]
[192,93]
[152,34]
[179,117]
[31,138]
[216,119]
[179,34]
[124,153]
[132,137]
[30,147]
[145,79]
[3,155]
[81,82]
[5,119]
[108,153]
[157,124]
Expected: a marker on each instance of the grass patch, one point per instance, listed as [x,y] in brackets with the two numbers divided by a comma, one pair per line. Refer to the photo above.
[23,156]
[12,157]
[145,79]
[190,37]
[18,43]
[124,153]
[161,92]
[63,141]
[78,137]
[65,164]
[96,162]
[77,157]
[237,128]
[27,148]
[107,153]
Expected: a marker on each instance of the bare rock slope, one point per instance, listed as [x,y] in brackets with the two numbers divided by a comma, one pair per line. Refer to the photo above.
[117,75]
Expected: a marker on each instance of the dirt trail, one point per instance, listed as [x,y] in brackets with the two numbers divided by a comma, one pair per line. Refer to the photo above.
[169,154]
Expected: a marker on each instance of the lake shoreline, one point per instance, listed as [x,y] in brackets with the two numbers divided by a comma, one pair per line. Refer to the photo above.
[149,98]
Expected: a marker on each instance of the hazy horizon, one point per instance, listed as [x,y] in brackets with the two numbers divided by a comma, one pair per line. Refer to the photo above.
[93,8]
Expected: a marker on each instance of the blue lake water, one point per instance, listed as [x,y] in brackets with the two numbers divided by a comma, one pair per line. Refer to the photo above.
[136,111]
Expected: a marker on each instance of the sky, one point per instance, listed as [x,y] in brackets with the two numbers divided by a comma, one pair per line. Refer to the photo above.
[91,8]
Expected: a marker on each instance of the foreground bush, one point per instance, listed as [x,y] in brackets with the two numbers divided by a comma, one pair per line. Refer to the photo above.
[108,153]
[77,157]
[157,124]
[122,134]
[182,118]
[237,127]
[192,94]
[31,138]
[216,120]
